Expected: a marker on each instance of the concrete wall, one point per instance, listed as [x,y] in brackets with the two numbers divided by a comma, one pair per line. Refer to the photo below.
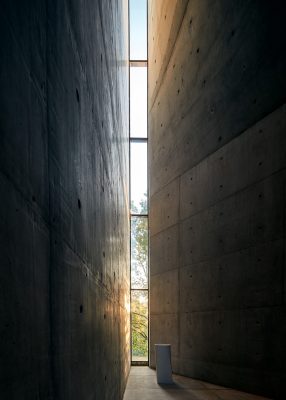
[64,272]
[217,151]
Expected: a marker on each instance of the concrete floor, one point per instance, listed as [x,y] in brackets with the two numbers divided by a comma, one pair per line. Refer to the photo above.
[142,385]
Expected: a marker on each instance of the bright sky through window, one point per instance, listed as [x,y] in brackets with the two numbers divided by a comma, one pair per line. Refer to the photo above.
[138,102]
[138,169]
[138,30]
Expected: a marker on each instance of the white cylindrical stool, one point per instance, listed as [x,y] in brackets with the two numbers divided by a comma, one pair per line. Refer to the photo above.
[163,363]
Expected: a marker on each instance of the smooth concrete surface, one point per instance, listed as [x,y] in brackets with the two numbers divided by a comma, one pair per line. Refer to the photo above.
[217,145]
[64,218]
[142,385]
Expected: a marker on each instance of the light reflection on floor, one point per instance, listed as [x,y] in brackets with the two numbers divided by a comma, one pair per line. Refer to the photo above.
[139,358]
[142,385]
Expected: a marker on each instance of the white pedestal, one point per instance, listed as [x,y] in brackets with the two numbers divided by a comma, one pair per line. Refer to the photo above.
[163,363]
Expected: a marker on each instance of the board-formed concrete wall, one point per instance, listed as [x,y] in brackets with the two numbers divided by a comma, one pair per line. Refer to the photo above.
[217,151]
[64,252]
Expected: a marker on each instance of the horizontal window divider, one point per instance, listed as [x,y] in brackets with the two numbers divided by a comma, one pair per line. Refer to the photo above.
[138,139]
[145,290]
[139,215]
[138,63]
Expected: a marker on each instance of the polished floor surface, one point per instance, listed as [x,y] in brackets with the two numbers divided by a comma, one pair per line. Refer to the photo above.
[142,385]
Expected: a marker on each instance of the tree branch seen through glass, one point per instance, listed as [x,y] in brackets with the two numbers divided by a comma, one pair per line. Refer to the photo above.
[139,249]
[139,324]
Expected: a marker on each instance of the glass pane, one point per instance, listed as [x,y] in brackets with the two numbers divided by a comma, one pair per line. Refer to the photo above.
[139,325]
[138,29]
[138,172]
[138,102]
[139,253]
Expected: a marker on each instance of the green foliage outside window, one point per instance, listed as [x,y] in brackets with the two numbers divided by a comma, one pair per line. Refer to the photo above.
[139,315]
[139,279]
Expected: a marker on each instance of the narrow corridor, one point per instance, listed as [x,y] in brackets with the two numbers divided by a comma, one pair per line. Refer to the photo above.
[142,198]
[142,385]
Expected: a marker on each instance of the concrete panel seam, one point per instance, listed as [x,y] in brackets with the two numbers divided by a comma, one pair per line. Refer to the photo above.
[245,188]
[206,156]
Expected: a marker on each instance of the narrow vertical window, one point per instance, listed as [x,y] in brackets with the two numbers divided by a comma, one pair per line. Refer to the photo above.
[139,232]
